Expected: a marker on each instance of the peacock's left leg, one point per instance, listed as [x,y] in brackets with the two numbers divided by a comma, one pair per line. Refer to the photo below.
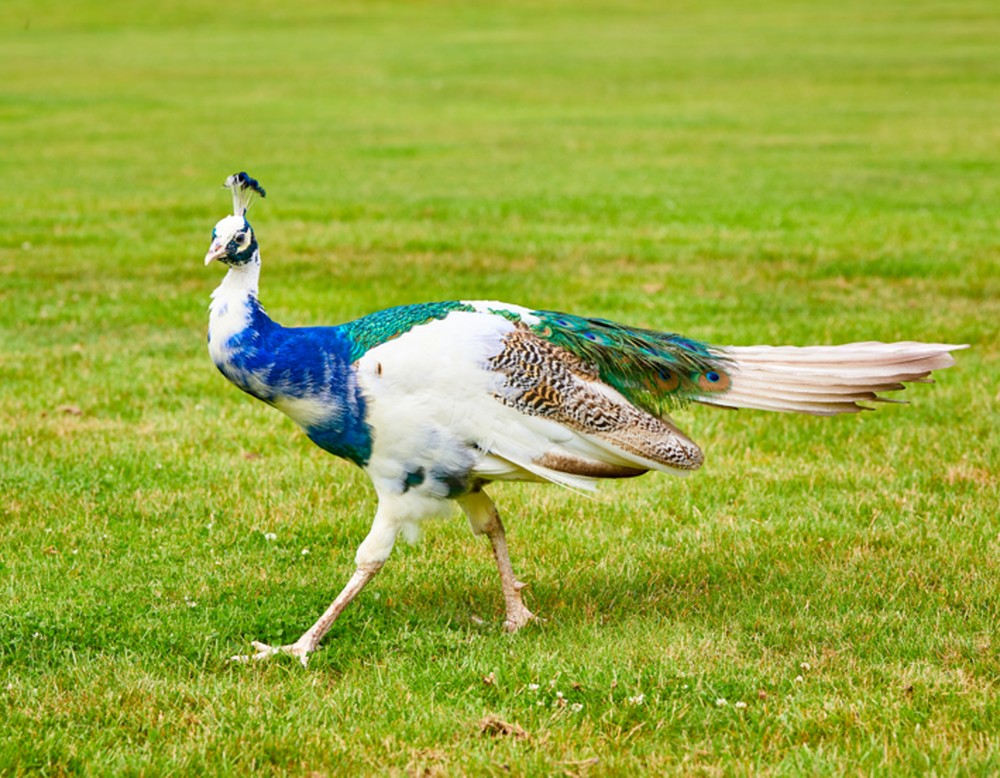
[484,519]
[310,639]
[371,555]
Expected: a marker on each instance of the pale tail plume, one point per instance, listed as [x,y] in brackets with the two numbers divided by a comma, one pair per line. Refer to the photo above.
[826,380]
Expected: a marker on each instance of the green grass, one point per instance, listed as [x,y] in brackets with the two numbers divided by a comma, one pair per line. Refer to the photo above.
[801,172]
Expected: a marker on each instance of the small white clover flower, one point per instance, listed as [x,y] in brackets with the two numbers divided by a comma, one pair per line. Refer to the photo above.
[305,552]
[576,707]
[639,699]
[721,702]
[270,536]
[799,679]
[559,695]
[739,704]
[805,666]
[533,687]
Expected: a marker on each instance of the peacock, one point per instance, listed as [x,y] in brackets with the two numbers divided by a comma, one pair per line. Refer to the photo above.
[435,401]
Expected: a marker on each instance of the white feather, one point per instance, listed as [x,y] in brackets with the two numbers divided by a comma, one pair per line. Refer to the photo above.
[826,380]
[229,311]
[430,394]
[491,306]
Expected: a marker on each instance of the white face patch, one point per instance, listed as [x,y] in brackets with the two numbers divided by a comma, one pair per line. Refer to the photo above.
[227,228]
[232,242]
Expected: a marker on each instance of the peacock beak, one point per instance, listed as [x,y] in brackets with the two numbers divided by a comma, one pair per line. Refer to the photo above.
[216,251]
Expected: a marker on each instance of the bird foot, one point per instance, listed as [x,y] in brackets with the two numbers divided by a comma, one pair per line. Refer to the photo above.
[265,651]
[518,614]
[517,618]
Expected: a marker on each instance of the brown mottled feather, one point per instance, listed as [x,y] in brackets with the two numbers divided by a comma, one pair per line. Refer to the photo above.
[542,379]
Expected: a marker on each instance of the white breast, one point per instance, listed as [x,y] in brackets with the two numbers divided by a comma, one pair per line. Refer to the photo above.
[230,311]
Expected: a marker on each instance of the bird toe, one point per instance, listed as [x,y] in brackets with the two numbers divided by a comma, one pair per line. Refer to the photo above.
[517,618]
[264,651]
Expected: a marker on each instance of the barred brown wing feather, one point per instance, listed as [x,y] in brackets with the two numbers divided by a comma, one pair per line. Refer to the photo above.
[542,379]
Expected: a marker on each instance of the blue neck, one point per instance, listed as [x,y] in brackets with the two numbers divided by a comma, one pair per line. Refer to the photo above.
[304,371]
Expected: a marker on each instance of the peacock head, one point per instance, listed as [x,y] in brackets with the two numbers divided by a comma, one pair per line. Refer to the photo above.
[233,241]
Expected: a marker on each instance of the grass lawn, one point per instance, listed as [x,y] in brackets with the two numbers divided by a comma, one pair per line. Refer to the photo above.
[822,598]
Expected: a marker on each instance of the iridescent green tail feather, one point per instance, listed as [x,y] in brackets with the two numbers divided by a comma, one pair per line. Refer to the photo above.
[657,371]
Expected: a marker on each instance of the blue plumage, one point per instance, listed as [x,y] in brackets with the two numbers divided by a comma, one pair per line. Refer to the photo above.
[281,365]
[437,400]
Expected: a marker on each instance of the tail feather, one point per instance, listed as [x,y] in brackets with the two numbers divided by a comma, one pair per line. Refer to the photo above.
[826,380]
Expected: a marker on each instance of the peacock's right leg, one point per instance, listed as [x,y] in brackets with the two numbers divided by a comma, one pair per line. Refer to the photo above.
[483,517]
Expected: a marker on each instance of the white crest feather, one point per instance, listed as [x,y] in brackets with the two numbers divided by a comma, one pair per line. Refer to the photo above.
[243,188]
